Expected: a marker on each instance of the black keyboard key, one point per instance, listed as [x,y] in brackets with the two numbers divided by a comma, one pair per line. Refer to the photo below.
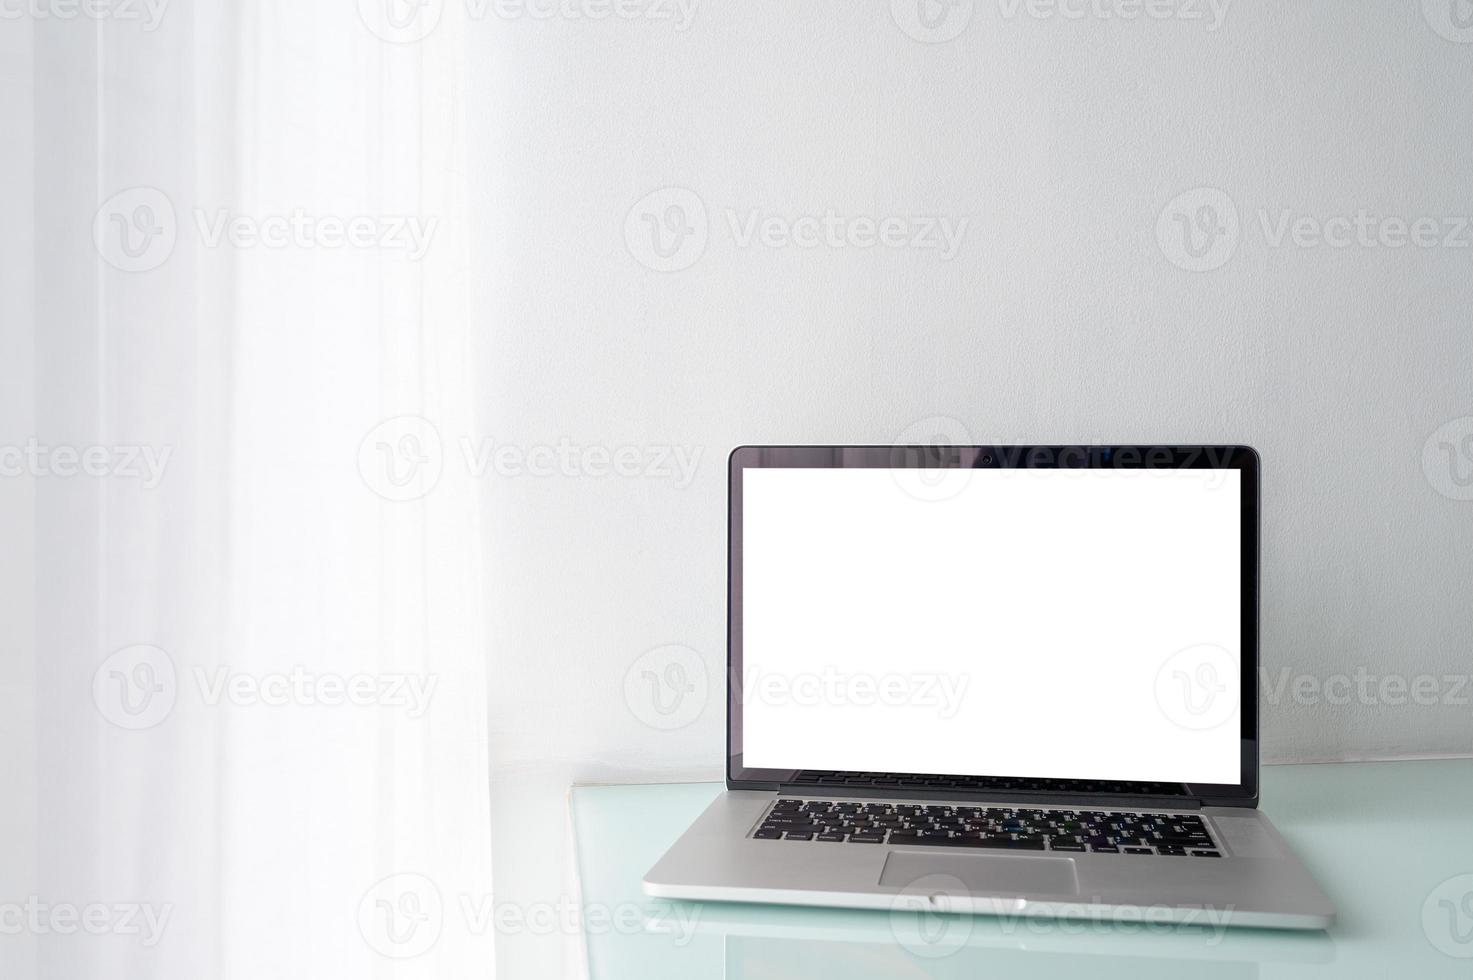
[1206,854]
[793,836]
[921,840]
[969,840]
[1137,850]
[1064,846]
[830,836]
[917,836]
[765,834]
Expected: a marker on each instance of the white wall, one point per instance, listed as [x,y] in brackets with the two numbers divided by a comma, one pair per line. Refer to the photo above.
[1061,318]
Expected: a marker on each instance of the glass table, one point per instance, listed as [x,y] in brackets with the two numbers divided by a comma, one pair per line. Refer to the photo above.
[1390,842]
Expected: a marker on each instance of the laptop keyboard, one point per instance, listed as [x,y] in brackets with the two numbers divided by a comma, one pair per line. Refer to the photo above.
[1001,828]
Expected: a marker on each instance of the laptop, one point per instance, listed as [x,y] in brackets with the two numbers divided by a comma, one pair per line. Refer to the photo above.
[1010,680]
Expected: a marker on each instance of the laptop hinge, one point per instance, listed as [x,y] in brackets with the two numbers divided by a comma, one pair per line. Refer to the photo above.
[1070,800]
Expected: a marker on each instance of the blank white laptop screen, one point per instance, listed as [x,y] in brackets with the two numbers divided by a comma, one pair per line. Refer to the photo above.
[1071,623]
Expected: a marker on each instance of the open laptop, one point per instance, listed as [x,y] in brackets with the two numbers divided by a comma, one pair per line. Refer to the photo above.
[1015,680]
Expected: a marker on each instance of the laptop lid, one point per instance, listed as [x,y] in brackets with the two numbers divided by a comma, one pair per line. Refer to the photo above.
[1028,622]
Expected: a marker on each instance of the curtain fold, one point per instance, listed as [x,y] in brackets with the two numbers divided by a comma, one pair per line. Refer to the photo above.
[259,639]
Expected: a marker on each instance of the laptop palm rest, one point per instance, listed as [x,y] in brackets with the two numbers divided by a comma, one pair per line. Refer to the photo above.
[983,874]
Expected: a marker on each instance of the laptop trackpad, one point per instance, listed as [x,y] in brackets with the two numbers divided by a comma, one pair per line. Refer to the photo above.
[984,874]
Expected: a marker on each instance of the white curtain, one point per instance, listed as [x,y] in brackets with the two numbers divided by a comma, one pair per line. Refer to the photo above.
[244,661]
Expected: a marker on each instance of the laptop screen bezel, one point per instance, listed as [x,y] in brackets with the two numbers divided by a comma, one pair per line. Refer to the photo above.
[1013,785]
